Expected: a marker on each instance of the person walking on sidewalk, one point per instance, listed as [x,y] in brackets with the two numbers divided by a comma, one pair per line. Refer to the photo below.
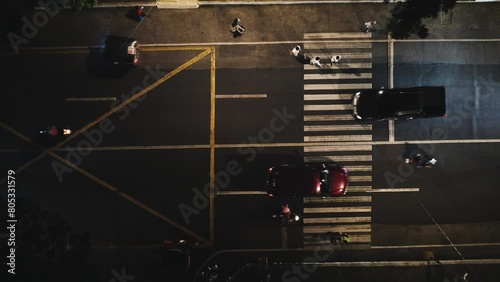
[316,62]
[140,12]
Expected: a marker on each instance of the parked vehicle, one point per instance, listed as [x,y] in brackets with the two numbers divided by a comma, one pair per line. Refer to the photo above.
[307,180]
[399,103]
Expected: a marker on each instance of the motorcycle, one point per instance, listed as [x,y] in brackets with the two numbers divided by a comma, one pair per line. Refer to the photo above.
[287,219]
[54,131]
[421,161]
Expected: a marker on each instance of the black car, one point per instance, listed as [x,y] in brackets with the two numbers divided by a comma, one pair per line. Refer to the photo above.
[121,50]
[399,103]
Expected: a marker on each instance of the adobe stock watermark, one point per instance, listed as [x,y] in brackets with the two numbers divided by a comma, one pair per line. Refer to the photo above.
[39,19]
[121,276]
[94,137]
[233,168]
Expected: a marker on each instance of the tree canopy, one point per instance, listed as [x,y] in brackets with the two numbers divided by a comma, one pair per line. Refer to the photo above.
[406,17]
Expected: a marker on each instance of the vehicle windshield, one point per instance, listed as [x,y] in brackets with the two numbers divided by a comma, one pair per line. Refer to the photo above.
[324,176]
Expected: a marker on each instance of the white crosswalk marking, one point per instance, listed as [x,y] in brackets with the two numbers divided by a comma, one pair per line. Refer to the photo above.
[327,118]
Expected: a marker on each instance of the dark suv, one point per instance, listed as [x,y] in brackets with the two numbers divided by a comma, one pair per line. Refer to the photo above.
[307,180]
[402,103]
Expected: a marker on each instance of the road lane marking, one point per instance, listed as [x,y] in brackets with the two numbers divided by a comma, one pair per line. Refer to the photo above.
[240,96]
[212,145]
[344,66]
[330,138]
[338,209]
[340,148]
[334,127]
[231,193]
[328,117]
[127,197]
[354,86]
[400,263]
[316,97]
[353,158]
[334,76]
[332,107]
[394,190]
[328,35]
[345,199]
[90,99]
[349,229]
[336,220]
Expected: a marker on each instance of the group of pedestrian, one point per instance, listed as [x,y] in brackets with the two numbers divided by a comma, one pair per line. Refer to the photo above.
[315,61]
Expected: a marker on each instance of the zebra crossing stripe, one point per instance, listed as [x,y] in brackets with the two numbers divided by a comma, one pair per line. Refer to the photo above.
[365,228]
[330,86]
[337,44]
[355,189]
[334,220]
[340,148]
[358,167]
[337,209]
[314,128]
[330,35]
[344,199]
[328,117]
[315,97]
[345,56]
[342,66]
[359,158]
[316,76]
[318,239]
[332,107]
[360,178]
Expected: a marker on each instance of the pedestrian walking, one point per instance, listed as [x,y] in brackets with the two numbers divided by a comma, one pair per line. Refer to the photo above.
[295,51]
[237,28]
[140,12]
[335,59]
[369,25]
[316,62]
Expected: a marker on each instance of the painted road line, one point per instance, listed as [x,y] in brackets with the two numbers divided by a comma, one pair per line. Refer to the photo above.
[314,128]
[328,117]
[317,76]
[341,148]
[319,45]
[349,229]
[345,199]
[402,263]
[358,168]
[358,189]
[332,107]
[135,148]
[321,240]
[212,145]
[394,190]
[390,124]
[354,158]
[330,35]
[360,55]
[316,97]
[360,178]
[330,86]
[240,96]
[331,138]
[90,99]
[344,66]
[335,220]
[437,246]
[234,193]
[338,209]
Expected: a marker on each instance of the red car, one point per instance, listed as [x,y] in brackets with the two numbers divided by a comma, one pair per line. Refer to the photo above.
[307,180]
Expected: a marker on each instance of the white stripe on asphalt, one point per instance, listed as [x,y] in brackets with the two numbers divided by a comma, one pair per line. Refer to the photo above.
[394,190]
[337,138]
[343,66]
[328,117]
[240,96]
[232,193]
[331,107]
[90,99]
[320,240]
[338,209]
[334,45]
[402,263]
[360,178]
[344,56]
[314,128]
[315,97]
[352,158]
[329,86]
[336,220]
[349,229]
[317,76]
[359,189]
[345,199]
[330,35]
[390,124]
[358,167]
[341,148]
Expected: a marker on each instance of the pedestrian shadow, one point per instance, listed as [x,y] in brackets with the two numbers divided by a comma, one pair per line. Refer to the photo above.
[303,59]
[132,14]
